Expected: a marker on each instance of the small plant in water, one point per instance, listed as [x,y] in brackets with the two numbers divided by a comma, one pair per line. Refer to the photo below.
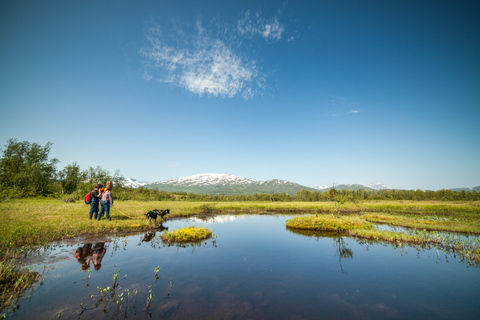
[190,234]
[156,272]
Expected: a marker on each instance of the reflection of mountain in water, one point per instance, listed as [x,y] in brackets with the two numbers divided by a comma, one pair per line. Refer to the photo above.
[218,219]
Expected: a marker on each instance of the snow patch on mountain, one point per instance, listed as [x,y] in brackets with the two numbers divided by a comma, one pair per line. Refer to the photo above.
[377,186]
[133,183]
[206,179]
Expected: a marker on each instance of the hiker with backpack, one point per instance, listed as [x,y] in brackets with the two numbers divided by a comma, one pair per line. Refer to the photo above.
[95,196]
[106,202]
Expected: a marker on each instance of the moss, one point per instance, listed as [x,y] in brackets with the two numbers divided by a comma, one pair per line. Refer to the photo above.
[190,234]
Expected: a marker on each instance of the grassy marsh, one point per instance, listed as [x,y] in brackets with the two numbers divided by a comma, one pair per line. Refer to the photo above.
[27,222]
[421,231]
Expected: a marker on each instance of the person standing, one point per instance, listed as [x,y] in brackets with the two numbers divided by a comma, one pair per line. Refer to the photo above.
[107,201]
[95,201]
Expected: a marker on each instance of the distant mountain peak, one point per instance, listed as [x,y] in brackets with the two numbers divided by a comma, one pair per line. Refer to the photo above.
[206,179]
[353,186]
[134,183]
[377,186]
[221,183]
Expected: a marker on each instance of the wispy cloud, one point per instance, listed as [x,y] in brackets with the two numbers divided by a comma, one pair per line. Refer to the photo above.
[209,65]
[269,29]
[340,106]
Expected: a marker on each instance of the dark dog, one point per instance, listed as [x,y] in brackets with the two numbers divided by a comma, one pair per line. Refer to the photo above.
[148,236]
[152,215]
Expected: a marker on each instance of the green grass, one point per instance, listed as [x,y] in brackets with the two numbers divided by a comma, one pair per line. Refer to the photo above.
[190,234]
[14,282]
[327,223]
[427,223]
[27,222]
[360,226]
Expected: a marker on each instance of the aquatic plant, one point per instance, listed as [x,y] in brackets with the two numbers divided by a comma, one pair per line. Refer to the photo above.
[190,234]
[425,222]
[14,281]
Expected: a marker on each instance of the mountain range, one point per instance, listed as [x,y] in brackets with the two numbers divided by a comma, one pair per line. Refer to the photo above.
[216,184]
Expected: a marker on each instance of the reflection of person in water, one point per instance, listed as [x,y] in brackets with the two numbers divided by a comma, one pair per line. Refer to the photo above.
[98,252]
[83,255]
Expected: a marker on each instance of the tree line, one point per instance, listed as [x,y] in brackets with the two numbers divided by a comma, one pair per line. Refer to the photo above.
[26,170]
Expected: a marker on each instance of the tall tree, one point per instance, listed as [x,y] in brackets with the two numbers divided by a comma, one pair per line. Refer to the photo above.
[25,168]
[70,177]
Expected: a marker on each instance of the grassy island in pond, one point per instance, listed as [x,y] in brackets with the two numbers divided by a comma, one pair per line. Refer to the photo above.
[190,234]
[327,223]
[422,230]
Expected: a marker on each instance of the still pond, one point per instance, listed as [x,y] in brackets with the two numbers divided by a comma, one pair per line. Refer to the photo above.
[253,268]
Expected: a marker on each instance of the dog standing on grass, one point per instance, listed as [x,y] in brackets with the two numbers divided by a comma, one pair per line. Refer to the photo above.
[154,214]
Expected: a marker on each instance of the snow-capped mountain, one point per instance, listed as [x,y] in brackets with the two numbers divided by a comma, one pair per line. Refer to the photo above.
[208,179]
[216,183]
[133,183]
[351,186]
[377,186]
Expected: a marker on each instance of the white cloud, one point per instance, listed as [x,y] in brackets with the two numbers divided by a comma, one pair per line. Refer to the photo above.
[257,25]
[200,64]
[210,65]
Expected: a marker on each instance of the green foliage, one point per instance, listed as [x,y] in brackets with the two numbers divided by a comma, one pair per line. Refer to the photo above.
[206,208]
[70,177]
[26,170]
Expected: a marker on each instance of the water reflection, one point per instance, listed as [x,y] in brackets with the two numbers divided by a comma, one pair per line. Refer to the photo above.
[218,219]
[343,252]
[87,253]
[338,241]
[258,271]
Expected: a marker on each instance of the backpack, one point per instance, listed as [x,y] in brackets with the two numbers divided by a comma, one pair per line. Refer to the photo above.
[88,198]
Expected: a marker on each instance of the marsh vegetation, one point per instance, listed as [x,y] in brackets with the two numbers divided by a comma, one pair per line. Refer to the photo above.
[28,225]
[248,274]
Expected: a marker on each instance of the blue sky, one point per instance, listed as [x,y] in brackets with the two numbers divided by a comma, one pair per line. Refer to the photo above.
[314,92]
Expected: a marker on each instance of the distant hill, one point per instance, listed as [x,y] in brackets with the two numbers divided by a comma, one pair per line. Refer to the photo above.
[467,189]
[217,184]
[349,187]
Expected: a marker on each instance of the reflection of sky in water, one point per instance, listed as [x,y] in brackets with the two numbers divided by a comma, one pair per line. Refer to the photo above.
[218,219]
[260,270]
